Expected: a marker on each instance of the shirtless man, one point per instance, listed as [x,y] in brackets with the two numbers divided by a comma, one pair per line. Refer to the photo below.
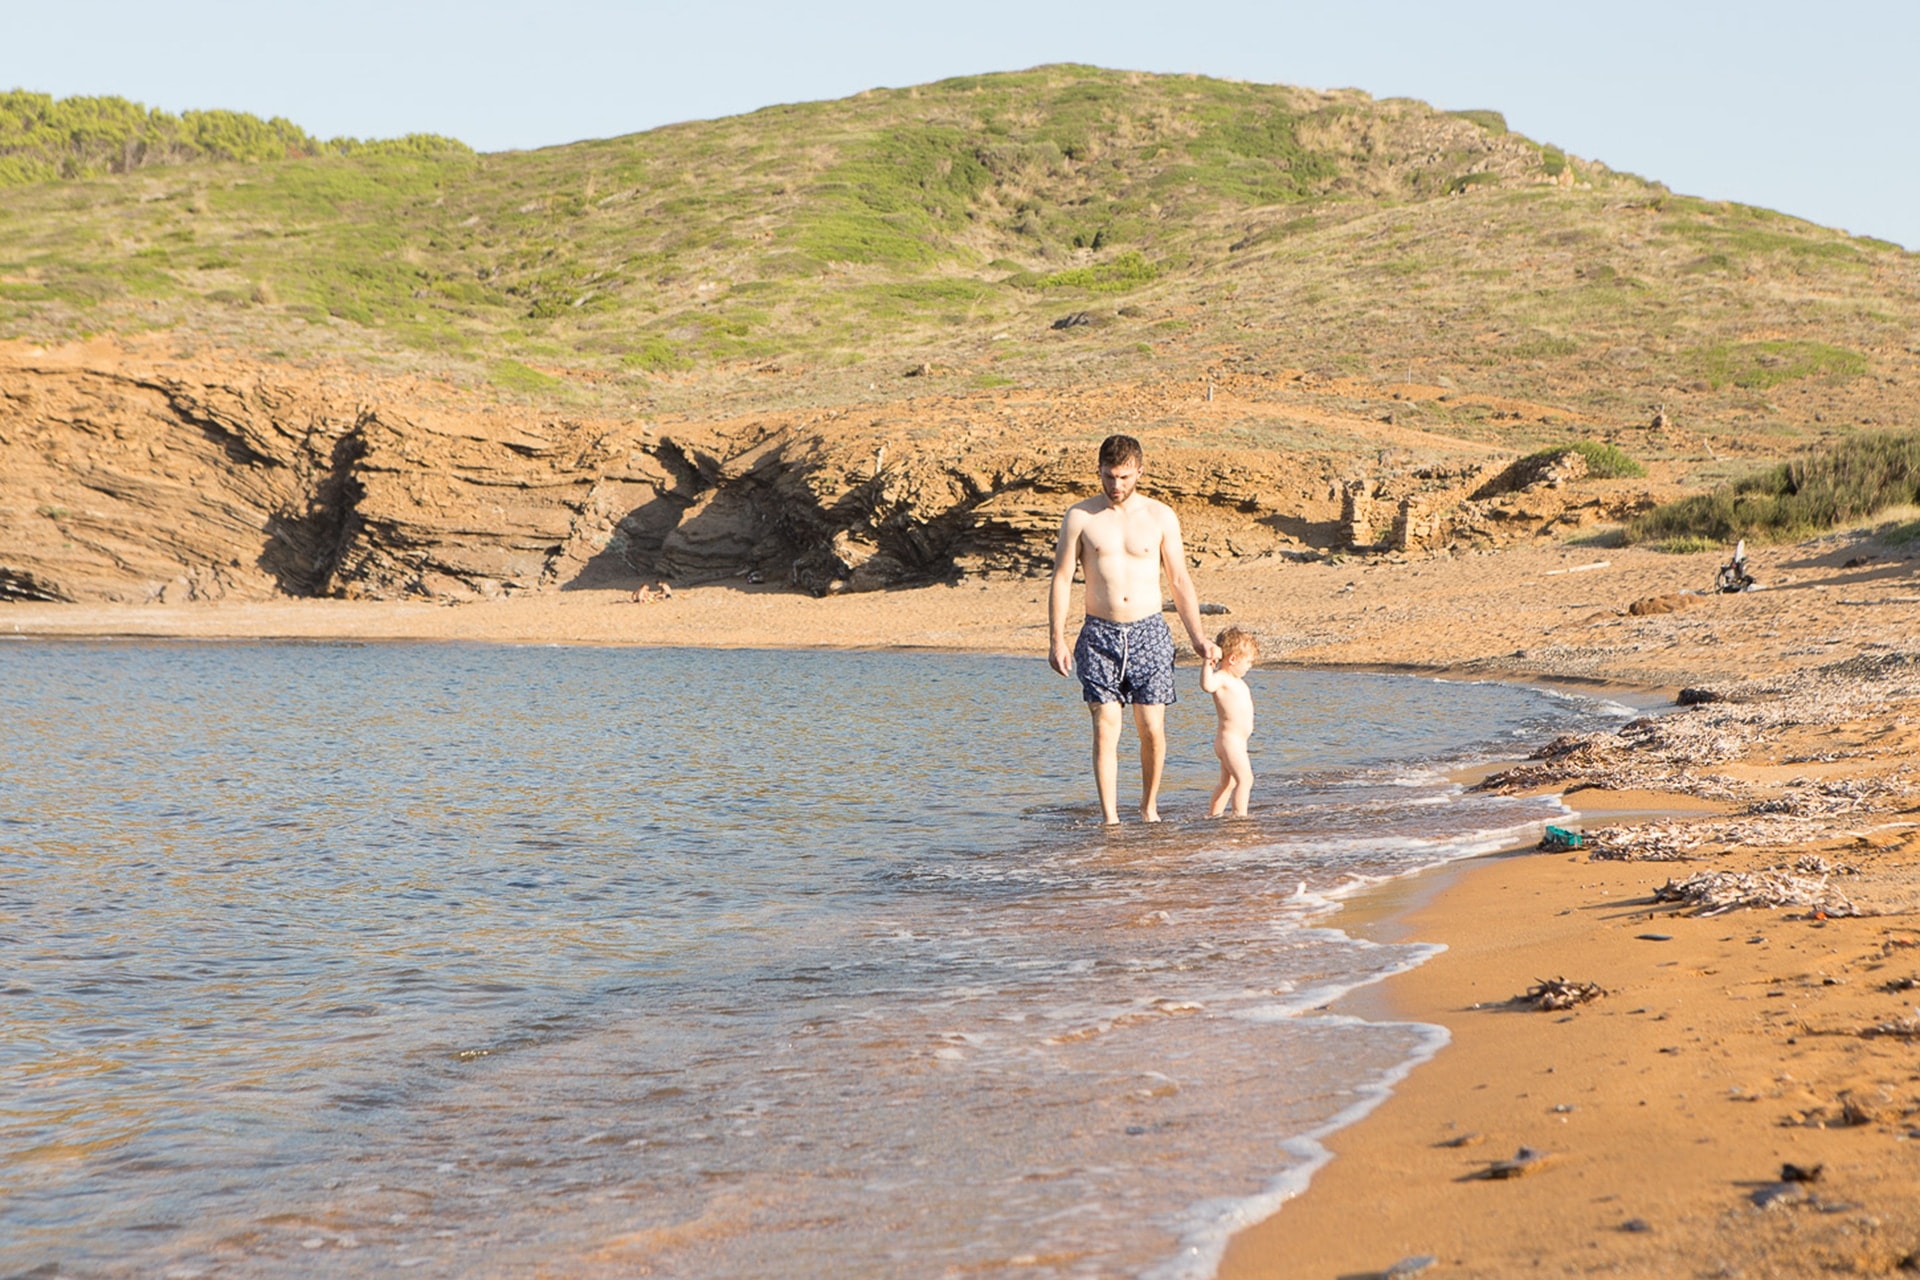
[1123,539]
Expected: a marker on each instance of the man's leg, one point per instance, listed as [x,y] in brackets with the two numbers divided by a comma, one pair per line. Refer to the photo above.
[1106,757]
[1150,721]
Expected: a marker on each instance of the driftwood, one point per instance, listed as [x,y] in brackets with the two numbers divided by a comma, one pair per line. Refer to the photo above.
[1907,1028]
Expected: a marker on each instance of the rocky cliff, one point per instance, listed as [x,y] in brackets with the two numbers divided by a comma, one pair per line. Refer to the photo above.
[126,478]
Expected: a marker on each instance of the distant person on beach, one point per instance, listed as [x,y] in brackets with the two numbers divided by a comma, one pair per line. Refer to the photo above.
[644,594]
[1226,680]
[1123,540]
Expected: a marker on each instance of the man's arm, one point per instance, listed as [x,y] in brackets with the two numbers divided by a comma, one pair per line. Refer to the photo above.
[1066,558]
[1173,558]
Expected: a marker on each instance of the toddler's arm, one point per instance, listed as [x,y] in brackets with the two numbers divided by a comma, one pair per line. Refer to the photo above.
[1209,677]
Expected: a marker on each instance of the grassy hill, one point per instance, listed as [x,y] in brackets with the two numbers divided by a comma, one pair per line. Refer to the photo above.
[816,253]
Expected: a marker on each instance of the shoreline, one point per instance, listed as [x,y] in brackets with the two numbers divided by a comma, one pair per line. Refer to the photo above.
[1710,1062]
[1640,1176]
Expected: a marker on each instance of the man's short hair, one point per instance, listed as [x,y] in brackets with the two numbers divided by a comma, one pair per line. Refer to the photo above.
[1235,641]
[1116,451]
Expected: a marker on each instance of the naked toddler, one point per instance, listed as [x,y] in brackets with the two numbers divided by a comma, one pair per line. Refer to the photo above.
[1226,680]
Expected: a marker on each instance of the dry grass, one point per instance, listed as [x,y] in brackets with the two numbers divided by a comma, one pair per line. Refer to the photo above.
[811,254]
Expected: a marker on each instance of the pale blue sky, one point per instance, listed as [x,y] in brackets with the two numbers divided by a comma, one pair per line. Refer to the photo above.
[1806,108]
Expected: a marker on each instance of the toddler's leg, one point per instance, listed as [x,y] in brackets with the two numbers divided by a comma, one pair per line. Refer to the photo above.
[1217,805]
[1234,762]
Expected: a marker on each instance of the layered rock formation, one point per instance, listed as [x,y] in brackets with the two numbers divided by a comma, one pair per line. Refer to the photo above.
[139,481]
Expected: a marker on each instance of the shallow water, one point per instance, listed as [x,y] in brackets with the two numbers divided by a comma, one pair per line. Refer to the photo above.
[495,961]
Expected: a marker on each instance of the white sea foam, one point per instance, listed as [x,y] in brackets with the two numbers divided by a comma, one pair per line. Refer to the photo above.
[1206,1228]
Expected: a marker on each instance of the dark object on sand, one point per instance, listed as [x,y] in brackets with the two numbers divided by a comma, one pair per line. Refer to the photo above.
[1409,1266]
[1695,697]
[1561,838]
[1412,1266]
[1524,1161]
[1553,994]
[1073,319]
[1464,1140]
[1733,576]
[1801,1172]
[1654,937]
[1636,1225]
[1778,1193]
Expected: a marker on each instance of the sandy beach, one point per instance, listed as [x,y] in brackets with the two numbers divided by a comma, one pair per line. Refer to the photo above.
[1727,1044]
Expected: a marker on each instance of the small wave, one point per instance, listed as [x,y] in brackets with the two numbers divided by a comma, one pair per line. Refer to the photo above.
[1205,1228]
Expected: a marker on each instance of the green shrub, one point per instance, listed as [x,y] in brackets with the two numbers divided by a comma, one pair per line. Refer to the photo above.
[1686,546]
[1542,347]
[1604,461]
[43,138]
[654,354]
[1756,366]
[1128,271]
[1492,121]
[1853,480]
[514,376]
[1901,533]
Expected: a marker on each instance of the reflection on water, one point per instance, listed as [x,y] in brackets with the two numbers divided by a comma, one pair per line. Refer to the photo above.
[480,960]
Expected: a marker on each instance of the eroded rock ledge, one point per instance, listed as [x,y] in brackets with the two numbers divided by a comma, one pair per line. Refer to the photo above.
[123,481]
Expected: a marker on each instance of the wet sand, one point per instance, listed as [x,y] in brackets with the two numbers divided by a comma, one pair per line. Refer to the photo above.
[1725,1046]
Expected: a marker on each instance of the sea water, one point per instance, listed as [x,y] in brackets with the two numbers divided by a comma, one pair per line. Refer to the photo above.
[349,960]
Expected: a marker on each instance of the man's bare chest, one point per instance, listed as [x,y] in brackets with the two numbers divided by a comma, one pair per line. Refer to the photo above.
[1136,538]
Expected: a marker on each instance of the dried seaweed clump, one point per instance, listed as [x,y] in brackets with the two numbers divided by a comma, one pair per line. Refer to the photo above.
[1550,994]
[1710,893]
[1653,842]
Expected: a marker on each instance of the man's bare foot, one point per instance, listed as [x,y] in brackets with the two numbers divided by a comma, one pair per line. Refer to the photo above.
[1110,820]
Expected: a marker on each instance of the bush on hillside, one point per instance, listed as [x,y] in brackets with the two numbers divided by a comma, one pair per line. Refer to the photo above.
[1128,271]
[1604,461]
[43,138]
[1857,478]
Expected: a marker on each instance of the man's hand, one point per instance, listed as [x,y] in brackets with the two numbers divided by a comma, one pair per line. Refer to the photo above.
[1060,656]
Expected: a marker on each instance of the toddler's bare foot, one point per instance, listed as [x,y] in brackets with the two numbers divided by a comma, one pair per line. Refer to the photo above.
[1149,815]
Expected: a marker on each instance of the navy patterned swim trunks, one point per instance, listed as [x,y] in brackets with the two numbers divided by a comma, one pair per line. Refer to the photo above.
[1126,662]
